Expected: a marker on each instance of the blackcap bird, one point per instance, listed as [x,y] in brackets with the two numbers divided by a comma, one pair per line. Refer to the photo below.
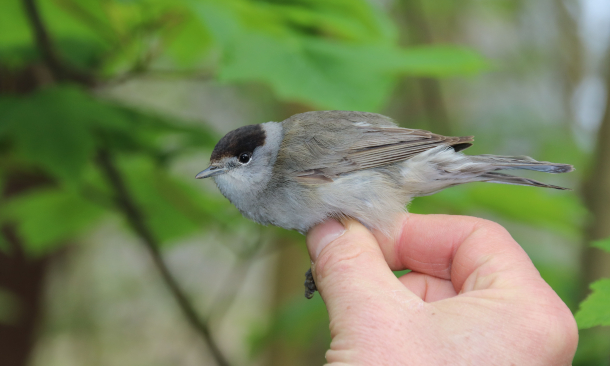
[335,164]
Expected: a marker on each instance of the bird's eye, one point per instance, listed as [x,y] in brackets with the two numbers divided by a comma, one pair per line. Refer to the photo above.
[244,157]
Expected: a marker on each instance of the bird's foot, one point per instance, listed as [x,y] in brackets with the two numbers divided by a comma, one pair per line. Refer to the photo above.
[310,285]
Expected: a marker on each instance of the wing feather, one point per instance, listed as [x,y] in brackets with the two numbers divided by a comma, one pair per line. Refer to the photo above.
[373,141]
[391,145]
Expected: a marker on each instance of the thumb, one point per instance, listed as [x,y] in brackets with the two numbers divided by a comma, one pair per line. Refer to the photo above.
[351,273]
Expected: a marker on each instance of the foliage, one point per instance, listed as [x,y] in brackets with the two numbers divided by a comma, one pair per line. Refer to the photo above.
[56,128]
[339,54]
[595,309]
[602,244]
[48,218]
[59,130]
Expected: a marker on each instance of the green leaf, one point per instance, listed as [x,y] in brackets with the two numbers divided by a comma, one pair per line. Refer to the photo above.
[326,71]
[401,273]
[60,128]
[309,71]
[56,127]
[595,309]
[50,128]
[603,244]
[139,131]
[46,219]
[68,19]
[347,20]
[182,41]
[441,60]
[14,30]
[335,75]
[76,39]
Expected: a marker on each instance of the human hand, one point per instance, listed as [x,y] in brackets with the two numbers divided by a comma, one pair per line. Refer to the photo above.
[473,296]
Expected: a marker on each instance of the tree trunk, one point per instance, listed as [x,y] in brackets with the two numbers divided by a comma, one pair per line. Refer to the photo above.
[22,278]
[596,263]
[430,91]
[596,191]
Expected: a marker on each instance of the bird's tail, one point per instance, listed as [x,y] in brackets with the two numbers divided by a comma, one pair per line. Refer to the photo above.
[496,162]
[495,177]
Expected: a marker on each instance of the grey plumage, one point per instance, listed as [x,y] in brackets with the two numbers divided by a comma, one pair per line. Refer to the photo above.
[317,165]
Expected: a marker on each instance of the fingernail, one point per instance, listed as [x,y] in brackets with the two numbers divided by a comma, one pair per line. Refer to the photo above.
[322,235]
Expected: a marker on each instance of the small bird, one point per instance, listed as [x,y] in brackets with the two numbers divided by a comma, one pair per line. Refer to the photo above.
[336,164]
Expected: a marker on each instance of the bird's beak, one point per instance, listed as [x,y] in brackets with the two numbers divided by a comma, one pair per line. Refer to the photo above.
[210,172]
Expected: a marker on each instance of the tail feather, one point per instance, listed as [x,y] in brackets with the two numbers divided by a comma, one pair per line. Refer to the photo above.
[522,162]
[495,177]
[437,169]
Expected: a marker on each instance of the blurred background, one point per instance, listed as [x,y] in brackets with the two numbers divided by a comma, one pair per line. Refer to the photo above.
[111,252]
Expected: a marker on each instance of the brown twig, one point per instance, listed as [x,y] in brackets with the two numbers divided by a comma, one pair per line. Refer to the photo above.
[60,71]
[136,220]
[63,72]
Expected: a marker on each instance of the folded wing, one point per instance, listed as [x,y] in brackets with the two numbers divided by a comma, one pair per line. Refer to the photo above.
[343,142]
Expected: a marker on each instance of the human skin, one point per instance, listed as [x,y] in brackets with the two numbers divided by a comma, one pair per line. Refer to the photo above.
[473,296]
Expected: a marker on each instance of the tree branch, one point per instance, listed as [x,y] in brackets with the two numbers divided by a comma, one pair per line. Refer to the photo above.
[60,71]
[135,218]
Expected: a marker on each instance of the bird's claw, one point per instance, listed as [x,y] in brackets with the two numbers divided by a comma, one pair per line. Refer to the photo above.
[310,285]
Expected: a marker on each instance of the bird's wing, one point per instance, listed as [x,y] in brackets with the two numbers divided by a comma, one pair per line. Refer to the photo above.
[342,143]
[382,146]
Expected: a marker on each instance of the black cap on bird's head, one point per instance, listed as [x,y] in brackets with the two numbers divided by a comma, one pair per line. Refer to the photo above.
[239,144]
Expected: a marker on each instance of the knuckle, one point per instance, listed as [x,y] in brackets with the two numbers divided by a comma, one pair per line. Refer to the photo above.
[342,255]
[553,330]
[491,227]
[562,332]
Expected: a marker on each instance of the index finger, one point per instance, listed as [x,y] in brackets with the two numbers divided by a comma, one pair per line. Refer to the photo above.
[454,247]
